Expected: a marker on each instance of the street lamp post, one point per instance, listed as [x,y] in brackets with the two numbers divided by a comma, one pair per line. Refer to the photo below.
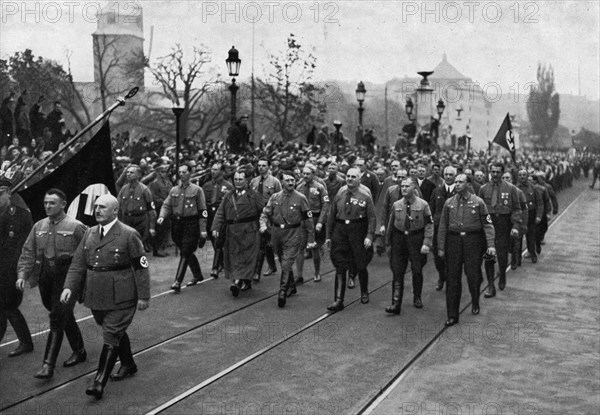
[408,108]
[177,111]
[337,124]
[233,62]
[360,97]
[440,108]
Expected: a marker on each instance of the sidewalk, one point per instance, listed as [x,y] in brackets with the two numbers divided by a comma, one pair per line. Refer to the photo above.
[535,348]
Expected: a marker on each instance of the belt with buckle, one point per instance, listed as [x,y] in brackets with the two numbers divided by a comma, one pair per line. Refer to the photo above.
[195,217]
[56,262]
[465,233]
[287,225]
[349,221]
[414,232]
[108,268]
[243,220]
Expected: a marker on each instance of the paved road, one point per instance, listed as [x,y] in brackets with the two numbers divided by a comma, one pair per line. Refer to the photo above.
[203,352]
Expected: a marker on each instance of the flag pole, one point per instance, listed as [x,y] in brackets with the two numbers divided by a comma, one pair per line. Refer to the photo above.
[120,102]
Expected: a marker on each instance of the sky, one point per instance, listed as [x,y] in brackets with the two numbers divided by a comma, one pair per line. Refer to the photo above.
[489,41]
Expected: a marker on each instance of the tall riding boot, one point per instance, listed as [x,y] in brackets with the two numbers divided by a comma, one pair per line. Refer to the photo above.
[180,274]
[489,273]
[291,290]
[217,263]
[396,296]
[260,259]
[108,357]
[196,270]
[128,366]
[53,344]
[283,286]
[351,275]
[363,279]
[75,341]
[339,292]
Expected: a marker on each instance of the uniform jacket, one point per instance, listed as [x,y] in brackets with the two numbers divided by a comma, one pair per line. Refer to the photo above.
[271,185]
[391,196]
[420,218]
[160,190]
[318,199]
[508,204]
[110,290]
[525,212]
[214,192]
[369,179]
[289,208]
[15,224]
[535,199]
[185,202]
[438,198]
[465,215]
[360,205]
[68,235]
[333,186]
[136,200]
[553,199]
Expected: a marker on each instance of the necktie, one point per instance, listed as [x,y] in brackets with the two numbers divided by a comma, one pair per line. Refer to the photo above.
[494,195]
[407,218]
[348,205]
[101,233]
[260,186]
[213,196]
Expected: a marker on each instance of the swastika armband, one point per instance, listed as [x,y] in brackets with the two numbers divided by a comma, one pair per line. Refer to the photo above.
[139,262]
[307,215]
[205,213]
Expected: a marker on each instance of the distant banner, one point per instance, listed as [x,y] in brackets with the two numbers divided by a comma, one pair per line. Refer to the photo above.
[505,137]
[91,165]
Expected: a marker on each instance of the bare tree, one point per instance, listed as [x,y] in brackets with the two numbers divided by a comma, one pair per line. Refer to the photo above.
[201,96]
[289,100]
[109,64]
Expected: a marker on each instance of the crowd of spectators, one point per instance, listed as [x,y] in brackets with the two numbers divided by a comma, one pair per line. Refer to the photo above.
[28,136]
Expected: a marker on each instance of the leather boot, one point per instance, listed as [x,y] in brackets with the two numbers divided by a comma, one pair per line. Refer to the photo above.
[180,274]
[260,260]
[53,344]
[502,281]
[363,279]
[108,357]
[75,341]
[396,297]
[283,287]
[489,272]
[128,366]
[339,292]
[217,259]
[196,270]
[292,285]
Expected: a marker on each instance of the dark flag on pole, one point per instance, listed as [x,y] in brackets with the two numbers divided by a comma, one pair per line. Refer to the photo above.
[505,137]
[91,164]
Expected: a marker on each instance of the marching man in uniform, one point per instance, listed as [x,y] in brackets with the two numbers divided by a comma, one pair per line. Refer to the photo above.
[350,231]
[285,211]
[45,260]
[109,272]
[465,230]
[187,207]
